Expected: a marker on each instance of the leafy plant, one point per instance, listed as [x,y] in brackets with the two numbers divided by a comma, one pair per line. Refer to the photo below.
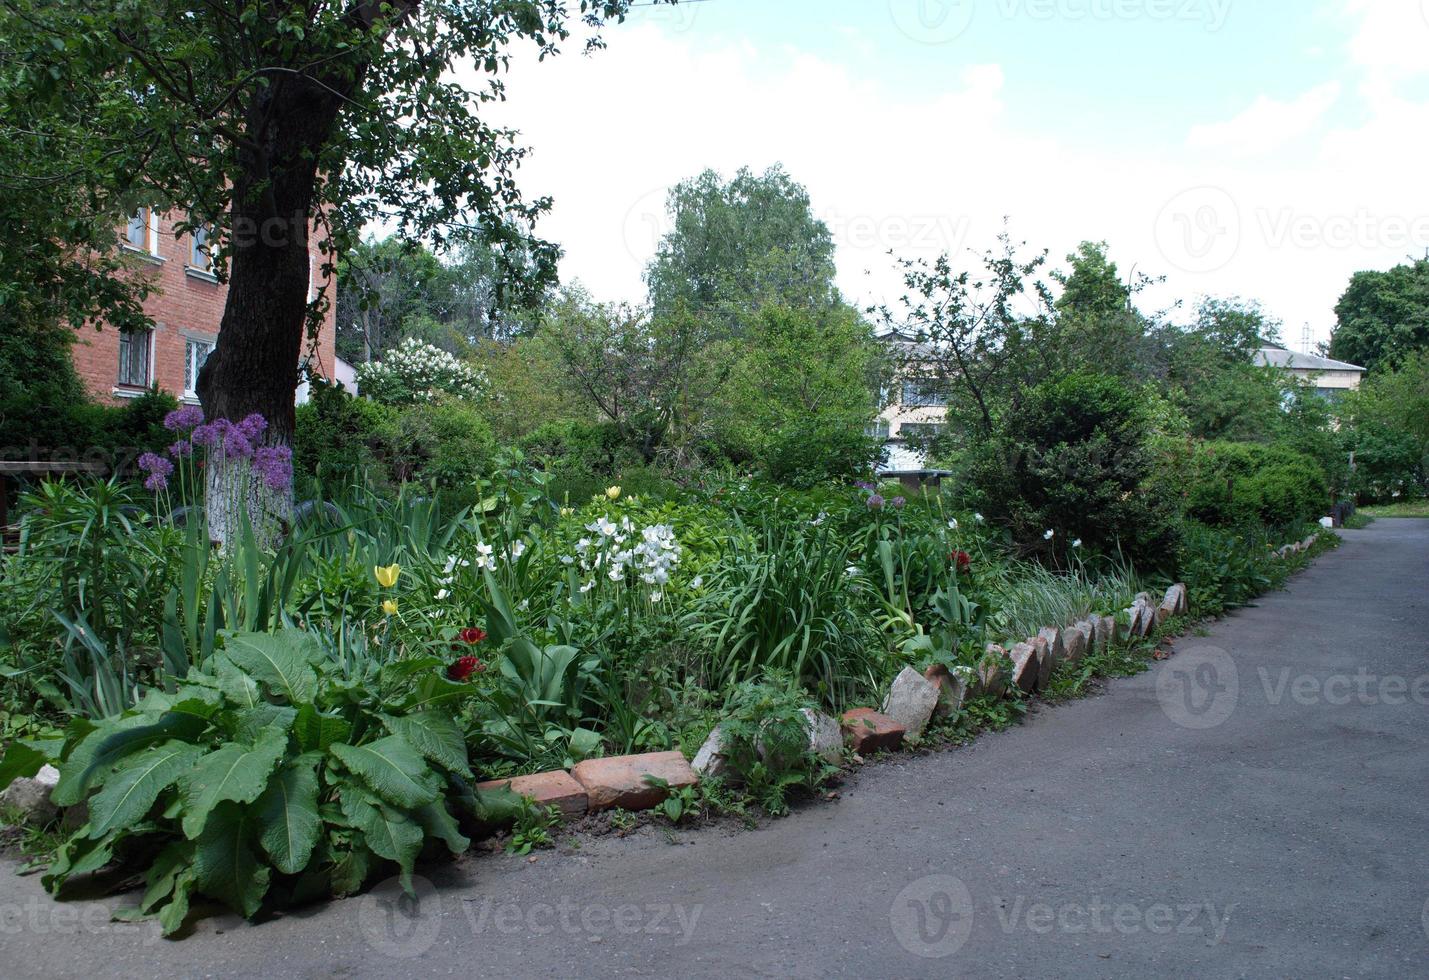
[266,779]
[764,740]
[533,828]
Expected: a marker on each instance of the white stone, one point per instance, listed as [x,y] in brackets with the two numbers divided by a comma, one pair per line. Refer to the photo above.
[911,700]
[825,739]
[31,796]
[709,761]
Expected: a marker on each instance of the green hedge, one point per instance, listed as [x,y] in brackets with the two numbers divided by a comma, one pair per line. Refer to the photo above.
[1236,484]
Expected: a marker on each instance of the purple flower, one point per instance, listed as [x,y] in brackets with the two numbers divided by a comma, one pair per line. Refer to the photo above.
[865,486]
[275,465]
[205,435]
[181,448]
[158,469]
[236,445]
[186,417]
[875,502]
[898,503]
[252,427]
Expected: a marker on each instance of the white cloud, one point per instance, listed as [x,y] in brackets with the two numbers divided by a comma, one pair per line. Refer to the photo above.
[1267,124]
[1268,205]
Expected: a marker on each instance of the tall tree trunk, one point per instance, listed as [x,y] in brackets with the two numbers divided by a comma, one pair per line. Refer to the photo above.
[254,365]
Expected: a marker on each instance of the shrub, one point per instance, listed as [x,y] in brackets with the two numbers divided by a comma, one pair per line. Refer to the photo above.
[448,443]
[1235,484]
[764,739]
[336,434]
[1073,458]
[416,373]
[802,454]
[1388,464]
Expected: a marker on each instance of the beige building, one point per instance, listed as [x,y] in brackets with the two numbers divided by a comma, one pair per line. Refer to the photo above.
[1330,378]
[914,408]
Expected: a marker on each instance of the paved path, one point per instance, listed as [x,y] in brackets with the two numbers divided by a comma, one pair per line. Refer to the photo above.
[1254,807]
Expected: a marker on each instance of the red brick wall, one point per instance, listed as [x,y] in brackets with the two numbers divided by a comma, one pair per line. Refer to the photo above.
[184,305]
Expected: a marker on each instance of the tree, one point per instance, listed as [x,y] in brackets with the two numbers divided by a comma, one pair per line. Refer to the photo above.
[1383,317]
[1210,374]
[1098,326]
[646,373]
[267,119]
[737,245]
[967,337]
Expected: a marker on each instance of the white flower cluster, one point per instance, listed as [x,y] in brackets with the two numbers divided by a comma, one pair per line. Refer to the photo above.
[621,553]
[416,371]
[485,559]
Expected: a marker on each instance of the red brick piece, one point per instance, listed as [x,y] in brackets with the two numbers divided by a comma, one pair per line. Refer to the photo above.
[868,731]
[555,789]
[620,781]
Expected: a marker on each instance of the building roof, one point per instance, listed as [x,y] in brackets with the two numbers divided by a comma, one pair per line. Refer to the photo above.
[1296,361]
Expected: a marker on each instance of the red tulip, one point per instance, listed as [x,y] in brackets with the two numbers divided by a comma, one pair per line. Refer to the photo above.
[463,668]
[472,634]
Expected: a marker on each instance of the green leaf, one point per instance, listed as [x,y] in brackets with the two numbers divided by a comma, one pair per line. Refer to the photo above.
[315,731]
[281,661]
[436,735]
[392,768]
[252,721]
[172,915]
[225,866]
[288,814]
[20,760]
[104,747]
[389,833]
[438,822]
[237,686]
[350,871]
[132,789]
[235,772]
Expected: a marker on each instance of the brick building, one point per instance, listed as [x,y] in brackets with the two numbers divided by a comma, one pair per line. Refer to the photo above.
[186,307]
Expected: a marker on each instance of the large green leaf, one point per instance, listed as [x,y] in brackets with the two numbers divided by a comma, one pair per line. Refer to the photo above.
[393,769]
[436,735]
[389,833]
[78,770]
[282,661]
[130,792]
[235,772]
[315,731]
[288,813]
[225,866]
[20,760]
[438,822]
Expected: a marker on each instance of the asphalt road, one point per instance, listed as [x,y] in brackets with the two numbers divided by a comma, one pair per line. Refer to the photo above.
[1253,807]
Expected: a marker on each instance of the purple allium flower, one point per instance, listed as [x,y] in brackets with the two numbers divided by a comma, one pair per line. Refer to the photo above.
[183,418]
[156,482]
[252,427]
[181,448]
[865,486]
[236,445]
[898,503]
[205,435]
[275,465]
[875,502]
[158,469]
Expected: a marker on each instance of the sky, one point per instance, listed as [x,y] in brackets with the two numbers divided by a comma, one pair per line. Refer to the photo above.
[1264,149]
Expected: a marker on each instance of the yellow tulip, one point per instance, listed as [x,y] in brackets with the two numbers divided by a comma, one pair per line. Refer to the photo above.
[387,577]
[613,493]
[389,606]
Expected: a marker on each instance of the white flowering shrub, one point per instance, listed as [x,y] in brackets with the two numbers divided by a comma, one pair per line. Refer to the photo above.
[416,372]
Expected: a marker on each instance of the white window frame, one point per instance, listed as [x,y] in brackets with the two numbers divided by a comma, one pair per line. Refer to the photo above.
[201,254]
[151,224]
[190,368]
[122,386]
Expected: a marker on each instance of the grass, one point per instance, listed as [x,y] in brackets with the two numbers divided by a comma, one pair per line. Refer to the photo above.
[1402,508]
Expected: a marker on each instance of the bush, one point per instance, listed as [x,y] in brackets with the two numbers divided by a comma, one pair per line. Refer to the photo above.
[1388,464]
[337,434]
[803,454]
[448,443]
[417,373]
[1235,484]
[1073,459]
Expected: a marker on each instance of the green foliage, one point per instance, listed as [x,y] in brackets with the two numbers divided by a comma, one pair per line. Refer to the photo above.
[414,372]
[1383,317]
[534,828]
[1224,569]
[337,435]
[737,245]
[448,444]
[764,739]
[1072,458]
[307,788]
[1239,484]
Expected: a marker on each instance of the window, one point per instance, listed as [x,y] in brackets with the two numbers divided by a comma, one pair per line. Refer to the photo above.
[200,240]
[142,232]
[920,431]
[877,429]
[923,393]
[135,356]
[195,353]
